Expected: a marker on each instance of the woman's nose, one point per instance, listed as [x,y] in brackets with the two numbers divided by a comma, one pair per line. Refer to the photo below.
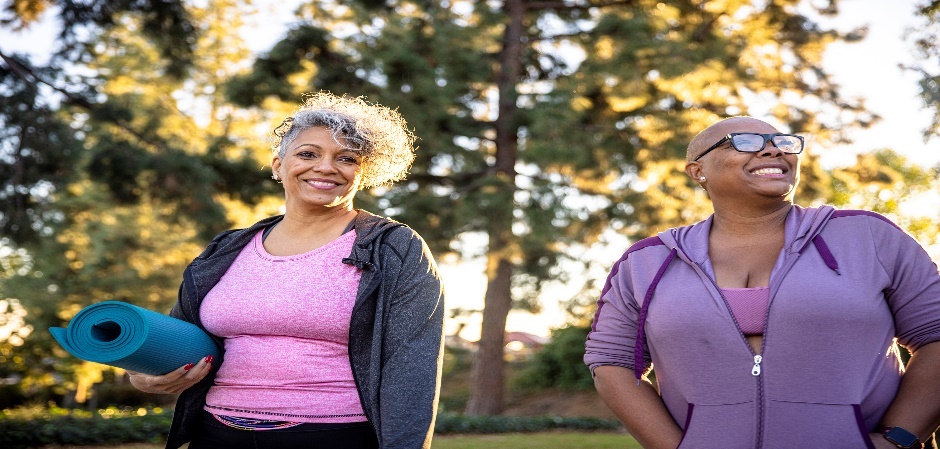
[771,150]
[324,165]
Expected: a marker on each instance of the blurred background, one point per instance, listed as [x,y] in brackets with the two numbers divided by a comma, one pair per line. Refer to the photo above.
[551,134]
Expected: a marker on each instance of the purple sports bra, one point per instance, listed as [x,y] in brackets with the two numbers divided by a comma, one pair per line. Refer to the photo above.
[749,307]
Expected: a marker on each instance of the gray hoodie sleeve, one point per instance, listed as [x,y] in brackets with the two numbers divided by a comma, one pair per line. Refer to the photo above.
[412,354]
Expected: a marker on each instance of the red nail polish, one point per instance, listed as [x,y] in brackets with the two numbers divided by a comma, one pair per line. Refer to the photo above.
[209,359]
[188,367]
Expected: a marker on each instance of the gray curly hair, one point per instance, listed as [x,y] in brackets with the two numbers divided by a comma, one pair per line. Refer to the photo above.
[379,135]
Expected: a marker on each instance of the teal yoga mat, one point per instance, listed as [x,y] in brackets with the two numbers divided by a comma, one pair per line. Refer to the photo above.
[126,336]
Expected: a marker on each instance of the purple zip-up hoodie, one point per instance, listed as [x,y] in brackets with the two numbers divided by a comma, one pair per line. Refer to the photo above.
[845,285]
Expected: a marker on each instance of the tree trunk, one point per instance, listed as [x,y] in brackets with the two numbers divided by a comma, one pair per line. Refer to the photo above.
[488,380]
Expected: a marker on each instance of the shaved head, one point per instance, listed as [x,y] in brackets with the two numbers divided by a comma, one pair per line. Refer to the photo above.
[720,129]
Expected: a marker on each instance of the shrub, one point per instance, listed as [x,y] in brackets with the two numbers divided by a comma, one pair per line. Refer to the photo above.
[560,363]
[31,427]
[450,423]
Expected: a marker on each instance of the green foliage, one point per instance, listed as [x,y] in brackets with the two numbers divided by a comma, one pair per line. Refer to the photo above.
[38,153]
[166,23]
[926,41]
[560,363]
[451,423]
[33,427]
[108,188]
[30,427]
[542,440]
[885,182]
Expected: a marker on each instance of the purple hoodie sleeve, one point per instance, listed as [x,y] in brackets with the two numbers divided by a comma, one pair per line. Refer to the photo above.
[914,293]
[613,334]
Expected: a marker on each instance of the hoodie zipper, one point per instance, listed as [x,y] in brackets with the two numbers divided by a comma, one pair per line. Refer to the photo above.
[775,281]
[756,369]
[758,358]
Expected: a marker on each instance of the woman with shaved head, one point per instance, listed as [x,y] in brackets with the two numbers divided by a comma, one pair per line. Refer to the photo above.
[769,325]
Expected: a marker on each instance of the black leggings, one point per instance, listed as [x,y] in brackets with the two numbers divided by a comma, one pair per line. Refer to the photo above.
[215,435]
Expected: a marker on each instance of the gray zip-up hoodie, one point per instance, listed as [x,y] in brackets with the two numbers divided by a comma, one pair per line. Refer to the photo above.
[395,334]
[845,285]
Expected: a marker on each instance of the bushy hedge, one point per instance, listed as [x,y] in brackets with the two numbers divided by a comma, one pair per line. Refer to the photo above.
[450,423]
[33,427]
[36,427]
[560,363]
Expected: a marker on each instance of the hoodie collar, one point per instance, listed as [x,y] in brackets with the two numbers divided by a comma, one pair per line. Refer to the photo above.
[800,226]
[369,227]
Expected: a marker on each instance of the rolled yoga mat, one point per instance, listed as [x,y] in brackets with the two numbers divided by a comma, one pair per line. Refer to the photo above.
[126,336]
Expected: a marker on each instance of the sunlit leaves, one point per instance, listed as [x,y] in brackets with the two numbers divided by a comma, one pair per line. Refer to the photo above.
[124,167]
[926,41]
[886,182]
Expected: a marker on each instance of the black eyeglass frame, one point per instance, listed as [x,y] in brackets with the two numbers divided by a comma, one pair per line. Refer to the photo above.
[767,138]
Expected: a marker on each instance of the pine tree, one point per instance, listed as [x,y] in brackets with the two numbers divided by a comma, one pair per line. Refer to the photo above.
[926,40]
[140,160]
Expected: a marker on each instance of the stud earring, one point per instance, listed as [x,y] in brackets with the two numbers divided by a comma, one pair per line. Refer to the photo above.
[275,177]
[702,178]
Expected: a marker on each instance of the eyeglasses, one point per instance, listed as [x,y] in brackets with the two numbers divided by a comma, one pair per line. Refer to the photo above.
[754,142]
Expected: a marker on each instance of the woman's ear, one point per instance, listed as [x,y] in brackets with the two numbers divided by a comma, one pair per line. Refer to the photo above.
[694,170]
[275,168]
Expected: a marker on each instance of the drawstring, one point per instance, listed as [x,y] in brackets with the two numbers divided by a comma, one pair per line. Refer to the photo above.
[826,254]
[360,264]
[640,345]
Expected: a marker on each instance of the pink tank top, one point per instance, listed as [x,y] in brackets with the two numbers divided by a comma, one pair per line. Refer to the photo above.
[749,307]
[285,320]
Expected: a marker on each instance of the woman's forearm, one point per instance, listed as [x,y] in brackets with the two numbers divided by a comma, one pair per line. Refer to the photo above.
[638,406]
[916,408]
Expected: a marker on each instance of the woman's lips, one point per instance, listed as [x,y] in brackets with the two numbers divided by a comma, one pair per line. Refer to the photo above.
[321,184]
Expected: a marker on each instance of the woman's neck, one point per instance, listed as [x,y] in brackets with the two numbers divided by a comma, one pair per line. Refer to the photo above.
[309,222]
[750,222]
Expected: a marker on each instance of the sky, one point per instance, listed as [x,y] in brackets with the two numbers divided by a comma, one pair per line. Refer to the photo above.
[867,69]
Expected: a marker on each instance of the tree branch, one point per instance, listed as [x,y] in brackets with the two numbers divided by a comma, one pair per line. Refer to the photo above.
[563,5]
[554,36]
[29,75]
[456,180]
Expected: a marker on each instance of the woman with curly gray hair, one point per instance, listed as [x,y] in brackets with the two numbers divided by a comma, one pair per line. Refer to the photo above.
[330,318]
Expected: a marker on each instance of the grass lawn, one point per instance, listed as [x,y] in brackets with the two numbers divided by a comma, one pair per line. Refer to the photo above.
[540,440]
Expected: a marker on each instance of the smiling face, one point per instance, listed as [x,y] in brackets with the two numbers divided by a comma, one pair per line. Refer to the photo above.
[318,172]
[769,173]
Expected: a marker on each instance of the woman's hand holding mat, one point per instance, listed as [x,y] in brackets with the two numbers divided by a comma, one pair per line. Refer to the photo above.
[173,382]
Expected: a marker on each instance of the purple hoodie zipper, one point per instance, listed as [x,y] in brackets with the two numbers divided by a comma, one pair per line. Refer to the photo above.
[775,281]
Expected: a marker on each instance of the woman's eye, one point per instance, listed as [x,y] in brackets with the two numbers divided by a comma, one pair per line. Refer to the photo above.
[348,160]
[306,154]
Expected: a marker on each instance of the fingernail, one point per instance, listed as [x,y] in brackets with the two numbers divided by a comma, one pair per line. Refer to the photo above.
[189,367]
[209,359]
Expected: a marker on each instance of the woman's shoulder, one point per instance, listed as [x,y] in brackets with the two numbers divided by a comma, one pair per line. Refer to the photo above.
[642,244]
[851,223]
[369,225]
[649,249]
[863,216]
